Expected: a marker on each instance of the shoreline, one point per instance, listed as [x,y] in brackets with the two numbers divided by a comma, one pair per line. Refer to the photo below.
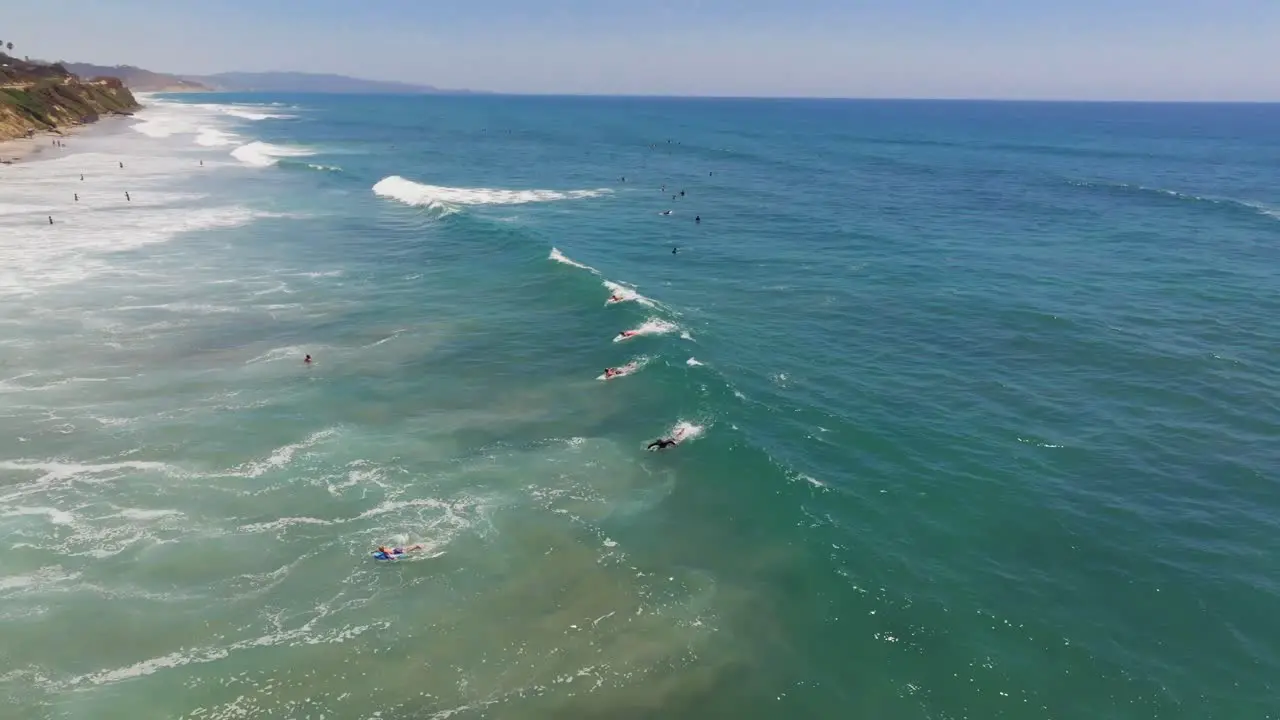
[16,151]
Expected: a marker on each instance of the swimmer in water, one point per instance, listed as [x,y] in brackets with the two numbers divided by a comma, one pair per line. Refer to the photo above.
[616,298]
[627,334]
[126,196]
[681,193]
[50,219]
[698,219]
[121,165]
[666,212]
[611,372]
[307,359]
[675,250]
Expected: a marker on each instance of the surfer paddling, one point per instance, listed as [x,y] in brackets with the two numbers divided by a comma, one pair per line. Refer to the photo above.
[389,553]
[664,443]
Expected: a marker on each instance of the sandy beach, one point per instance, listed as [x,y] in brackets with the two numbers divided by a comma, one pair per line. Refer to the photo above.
[18,150]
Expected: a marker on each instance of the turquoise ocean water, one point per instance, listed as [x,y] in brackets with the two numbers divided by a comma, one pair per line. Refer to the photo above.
[980,407]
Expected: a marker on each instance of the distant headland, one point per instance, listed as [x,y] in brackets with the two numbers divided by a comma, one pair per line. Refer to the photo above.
[47,97]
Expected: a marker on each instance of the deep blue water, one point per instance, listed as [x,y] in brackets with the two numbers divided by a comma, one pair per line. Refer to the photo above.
[980,405]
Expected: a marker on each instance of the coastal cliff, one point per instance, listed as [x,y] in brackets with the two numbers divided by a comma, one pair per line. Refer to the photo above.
[39,97]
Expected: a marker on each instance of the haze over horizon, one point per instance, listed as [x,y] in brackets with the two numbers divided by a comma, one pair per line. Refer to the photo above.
[997,49]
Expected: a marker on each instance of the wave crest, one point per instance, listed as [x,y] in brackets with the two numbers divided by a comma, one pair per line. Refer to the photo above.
[439,196]
[261,154]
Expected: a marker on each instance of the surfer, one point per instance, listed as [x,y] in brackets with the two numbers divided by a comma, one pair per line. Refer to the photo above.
[697,219]
[82,178]
[622,335]
[675,250]
[126,196]
[77,196]
[664,443]
[611,372]
[307,360]
[616,298]
[122,165]
[390,552]
[681,193]
[50,219]
[666,212]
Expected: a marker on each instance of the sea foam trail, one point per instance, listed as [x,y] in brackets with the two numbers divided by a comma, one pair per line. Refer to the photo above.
[1226,202]
[260,154]
[625,294]
[250,115]
[652,326]
[557,256]
[684,431]
[630,368]
[422,195]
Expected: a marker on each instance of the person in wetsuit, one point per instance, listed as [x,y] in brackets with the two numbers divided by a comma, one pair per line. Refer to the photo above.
[662,444]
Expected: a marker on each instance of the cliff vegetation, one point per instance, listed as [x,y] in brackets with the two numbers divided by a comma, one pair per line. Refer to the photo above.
[37,97]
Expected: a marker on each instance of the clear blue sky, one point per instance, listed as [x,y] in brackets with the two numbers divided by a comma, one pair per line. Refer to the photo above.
[1099,49]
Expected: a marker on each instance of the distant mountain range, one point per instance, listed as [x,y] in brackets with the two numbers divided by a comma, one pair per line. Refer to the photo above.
[135,78]
[300,82]
[142,80]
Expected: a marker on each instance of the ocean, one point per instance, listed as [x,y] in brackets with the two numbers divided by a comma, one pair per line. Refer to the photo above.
[977,408]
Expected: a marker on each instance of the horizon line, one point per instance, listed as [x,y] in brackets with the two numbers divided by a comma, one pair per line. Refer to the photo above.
[431,90]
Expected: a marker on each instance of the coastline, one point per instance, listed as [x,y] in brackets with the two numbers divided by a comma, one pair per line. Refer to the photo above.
[16,151]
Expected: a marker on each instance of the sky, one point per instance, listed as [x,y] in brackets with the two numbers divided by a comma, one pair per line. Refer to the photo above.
[1012,49]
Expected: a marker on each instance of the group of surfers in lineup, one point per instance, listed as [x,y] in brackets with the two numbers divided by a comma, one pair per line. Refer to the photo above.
[392,552]
[664,442]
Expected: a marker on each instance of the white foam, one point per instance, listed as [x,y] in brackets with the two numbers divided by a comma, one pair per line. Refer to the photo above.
[80,244]
[54,470]
[250,115]
[163,119]
[140,514]
[441,197]
[560,257]
[292,352]
[629,369]
[212,137]
[652,326]
[283,455]
[56,516]
[43,576]
[625,294]
[261,154]
[684,431]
